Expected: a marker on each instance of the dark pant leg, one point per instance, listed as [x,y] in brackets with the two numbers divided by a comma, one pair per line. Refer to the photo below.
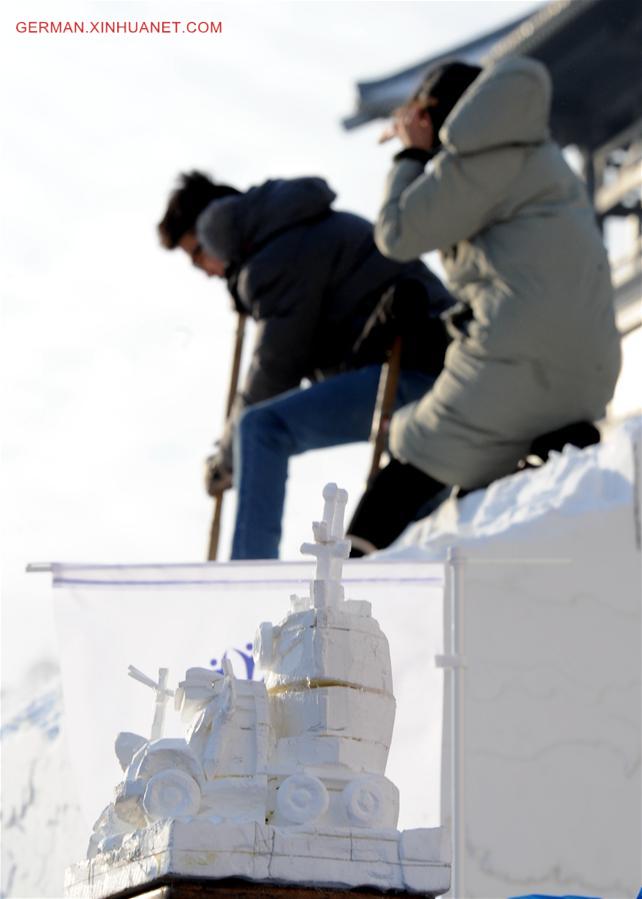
[390,503]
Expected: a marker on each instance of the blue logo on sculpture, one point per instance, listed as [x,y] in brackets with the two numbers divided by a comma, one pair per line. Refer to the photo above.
[242,662]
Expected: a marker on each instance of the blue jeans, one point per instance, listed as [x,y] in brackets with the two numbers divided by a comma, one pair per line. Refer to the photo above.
[329,413]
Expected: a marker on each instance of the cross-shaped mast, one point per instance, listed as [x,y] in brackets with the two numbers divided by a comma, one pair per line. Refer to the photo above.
[330,548]
[161,698]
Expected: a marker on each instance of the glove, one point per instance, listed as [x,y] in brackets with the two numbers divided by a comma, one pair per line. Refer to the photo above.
[218,477]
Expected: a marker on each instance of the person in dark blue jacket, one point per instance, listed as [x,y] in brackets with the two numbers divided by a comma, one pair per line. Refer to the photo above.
[311,278]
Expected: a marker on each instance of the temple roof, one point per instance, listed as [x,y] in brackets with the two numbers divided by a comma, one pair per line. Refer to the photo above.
[593,49]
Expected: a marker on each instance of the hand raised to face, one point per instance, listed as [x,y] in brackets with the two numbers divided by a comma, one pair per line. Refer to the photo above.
[413,126]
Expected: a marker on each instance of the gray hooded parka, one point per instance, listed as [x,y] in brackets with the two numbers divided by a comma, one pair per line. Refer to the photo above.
[535,344]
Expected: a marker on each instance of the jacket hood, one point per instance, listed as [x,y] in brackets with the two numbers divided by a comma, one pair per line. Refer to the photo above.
[509,103]
[234,227]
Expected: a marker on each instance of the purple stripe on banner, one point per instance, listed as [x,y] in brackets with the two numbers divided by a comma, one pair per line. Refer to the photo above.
[65,582]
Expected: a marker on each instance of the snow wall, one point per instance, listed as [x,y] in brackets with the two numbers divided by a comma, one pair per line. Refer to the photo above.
[552,588]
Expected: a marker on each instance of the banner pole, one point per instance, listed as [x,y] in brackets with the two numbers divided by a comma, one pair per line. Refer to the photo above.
[456,663]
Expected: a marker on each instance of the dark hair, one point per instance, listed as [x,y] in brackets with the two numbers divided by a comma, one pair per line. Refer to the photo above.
[444,84]
[195,191]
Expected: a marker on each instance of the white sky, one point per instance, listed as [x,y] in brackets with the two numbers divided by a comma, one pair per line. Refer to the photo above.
[115,353]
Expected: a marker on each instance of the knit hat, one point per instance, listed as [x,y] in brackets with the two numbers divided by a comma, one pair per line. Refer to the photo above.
[444,84]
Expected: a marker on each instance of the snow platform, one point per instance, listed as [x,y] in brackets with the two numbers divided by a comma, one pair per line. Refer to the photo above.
[408,863]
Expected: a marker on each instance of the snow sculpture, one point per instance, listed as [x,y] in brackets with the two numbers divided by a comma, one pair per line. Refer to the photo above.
[279,780]
[328,677]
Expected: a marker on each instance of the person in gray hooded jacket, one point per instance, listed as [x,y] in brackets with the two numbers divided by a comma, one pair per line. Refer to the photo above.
[535,345]
[311,278]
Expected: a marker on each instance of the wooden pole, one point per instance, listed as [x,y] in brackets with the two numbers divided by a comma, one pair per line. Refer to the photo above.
[384,405]
[215,528]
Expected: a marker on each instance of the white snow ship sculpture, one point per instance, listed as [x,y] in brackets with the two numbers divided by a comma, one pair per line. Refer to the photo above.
[281,780]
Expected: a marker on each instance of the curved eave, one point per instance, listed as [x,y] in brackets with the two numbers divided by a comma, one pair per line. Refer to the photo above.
[377,97]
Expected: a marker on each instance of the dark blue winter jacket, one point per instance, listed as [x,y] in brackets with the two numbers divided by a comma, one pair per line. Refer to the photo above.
[308,275]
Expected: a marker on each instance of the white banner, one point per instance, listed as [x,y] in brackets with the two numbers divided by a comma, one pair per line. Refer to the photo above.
[192,615]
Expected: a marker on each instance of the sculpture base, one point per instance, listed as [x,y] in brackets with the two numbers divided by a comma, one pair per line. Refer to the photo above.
[413,861]
[233,888]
